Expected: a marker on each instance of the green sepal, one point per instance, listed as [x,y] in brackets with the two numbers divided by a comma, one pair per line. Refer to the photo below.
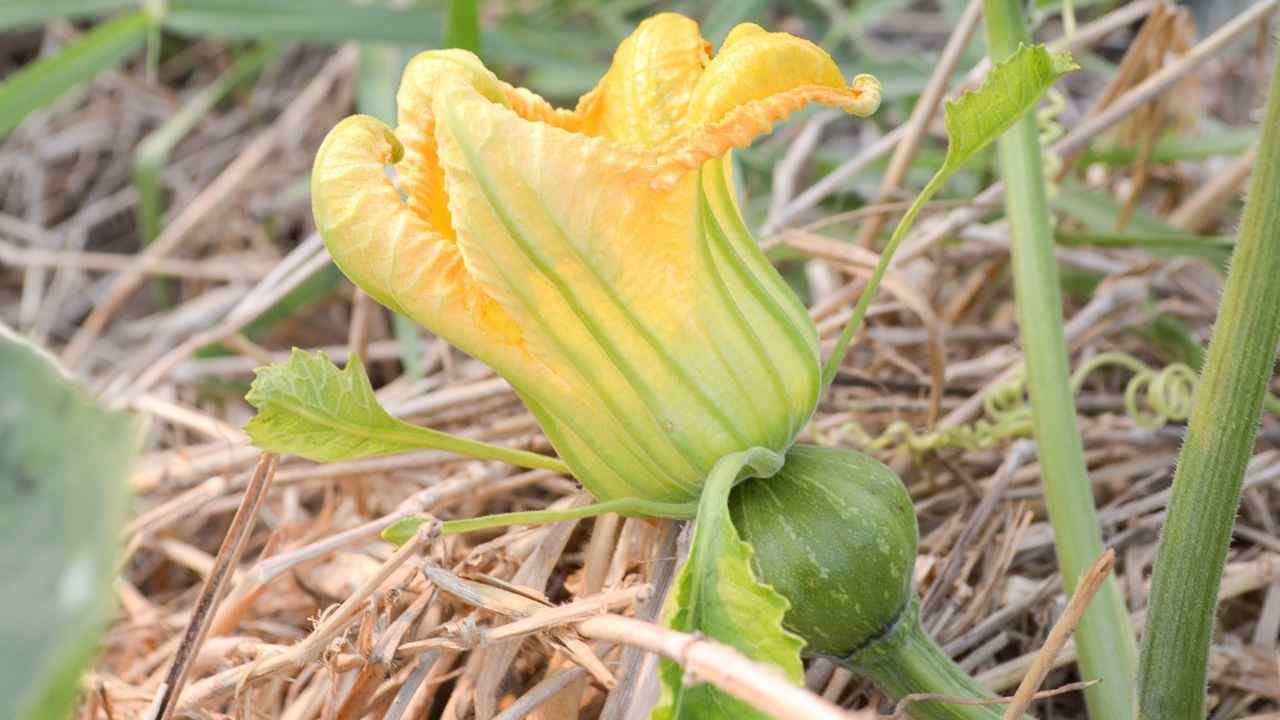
[718,595]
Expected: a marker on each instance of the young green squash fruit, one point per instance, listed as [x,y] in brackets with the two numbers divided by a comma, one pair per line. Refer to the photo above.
[835,532]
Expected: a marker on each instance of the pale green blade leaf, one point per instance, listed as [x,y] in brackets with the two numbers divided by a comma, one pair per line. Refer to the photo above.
[308,407]
[717,595]
[63,498]
[45,80]
[1010,90]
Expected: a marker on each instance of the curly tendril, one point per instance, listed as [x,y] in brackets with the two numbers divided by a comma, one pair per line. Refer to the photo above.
[1152,398]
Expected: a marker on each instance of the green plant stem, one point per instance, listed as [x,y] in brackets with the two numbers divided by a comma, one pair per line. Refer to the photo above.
[1220,436]
[462,26]
[1105,640]
[832,365]
[759,462]
[628,507]
[906,661]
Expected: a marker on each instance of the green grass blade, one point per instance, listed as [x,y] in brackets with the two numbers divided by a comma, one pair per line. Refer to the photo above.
[1209,247]
[29,13]
[312,20]
[1107,648]
[1176,148]
[403,530]
[1220,436]
[45,80]
[153,152]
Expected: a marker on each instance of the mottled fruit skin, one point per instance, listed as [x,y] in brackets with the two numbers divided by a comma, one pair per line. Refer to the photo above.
[835,532]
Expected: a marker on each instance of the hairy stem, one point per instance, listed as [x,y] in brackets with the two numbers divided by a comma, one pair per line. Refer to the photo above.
[906,661]
[1220,436]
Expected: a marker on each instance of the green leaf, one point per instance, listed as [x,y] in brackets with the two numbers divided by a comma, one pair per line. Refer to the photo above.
[308,407]
[1011,90]
[45,80]
[63,497]
[717,595]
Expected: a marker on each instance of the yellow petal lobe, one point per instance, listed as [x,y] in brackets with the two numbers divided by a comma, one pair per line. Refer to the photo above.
[393,253]
[643,99]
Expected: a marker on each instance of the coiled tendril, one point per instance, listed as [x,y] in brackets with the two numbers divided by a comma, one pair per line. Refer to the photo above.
[1152,398]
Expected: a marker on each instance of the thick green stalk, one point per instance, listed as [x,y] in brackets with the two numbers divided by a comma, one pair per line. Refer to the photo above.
[462,26]
[1107,648]
[1220,436]
[403,530]
[906,661]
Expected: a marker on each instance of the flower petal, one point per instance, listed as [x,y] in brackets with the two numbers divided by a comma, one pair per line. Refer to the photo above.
[644,97]
[616,282]
[419,174]
[394,254]
[757,79]
[753,64]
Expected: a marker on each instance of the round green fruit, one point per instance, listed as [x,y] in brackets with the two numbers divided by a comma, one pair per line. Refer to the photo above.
[834,531]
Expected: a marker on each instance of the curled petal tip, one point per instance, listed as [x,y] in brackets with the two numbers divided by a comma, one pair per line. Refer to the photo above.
[364,131]
[866,95]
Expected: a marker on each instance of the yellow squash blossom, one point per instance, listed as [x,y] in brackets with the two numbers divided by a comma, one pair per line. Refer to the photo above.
[596,258]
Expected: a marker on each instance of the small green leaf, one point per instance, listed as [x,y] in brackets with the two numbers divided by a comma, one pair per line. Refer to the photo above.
[718,595]
[45,80]
[1011,90]
[308,407]
[63,498]
[403,530]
